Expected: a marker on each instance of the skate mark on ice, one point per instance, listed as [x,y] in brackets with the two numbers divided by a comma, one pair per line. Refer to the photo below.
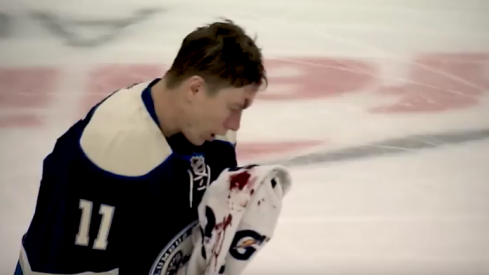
[406,144]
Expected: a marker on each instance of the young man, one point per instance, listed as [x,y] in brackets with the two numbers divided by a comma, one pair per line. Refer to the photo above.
[120,190]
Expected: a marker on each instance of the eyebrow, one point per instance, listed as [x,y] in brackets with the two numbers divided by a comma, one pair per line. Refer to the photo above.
[242,106]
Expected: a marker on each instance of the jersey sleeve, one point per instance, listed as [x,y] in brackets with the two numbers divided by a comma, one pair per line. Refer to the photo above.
[86,187]
[69,232]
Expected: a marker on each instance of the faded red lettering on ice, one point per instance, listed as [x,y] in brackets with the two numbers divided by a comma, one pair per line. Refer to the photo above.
[440,82]
[246,151]
[109,78]
[315,78]
[25,93]
[20,121]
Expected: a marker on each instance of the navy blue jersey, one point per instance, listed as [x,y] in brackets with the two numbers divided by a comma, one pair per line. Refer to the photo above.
[116,196]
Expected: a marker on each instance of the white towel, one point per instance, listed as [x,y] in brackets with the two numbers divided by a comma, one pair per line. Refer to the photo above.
[237,217]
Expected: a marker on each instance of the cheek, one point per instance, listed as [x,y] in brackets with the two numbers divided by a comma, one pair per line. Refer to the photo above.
[199,117]
[210,116]
[221,117]
[219,112]
[233,121]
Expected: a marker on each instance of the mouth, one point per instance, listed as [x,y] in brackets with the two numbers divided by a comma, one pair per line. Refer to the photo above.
[211,137]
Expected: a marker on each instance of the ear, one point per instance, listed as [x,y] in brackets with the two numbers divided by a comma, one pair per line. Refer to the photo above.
[195,85]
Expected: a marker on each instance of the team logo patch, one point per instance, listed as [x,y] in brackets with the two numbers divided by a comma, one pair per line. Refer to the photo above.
[246,243]
[176,254]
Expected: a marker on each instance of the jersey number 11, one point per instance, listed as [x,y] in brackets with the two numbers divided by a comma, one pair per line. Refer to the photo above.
[82,238]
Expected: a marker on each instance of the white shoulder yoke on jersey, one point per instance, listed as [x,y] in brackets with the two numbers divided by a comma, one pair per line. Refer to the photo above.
[122,137]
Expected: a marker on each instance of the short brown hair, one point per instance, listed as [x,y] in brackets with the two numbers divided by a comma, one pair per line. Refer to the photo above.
[221,53]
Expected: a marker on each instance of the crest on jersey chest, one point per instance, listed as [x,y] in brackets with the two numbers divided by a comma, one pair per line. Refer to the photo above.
[176,254]
[199,175]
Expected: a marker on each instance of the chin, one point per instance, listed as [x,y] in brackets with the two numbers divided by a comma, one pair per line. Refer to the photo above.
[197,142]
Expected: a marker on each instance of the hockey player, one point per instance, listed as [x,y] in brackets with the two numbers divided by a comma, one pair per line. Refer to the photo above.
[120,189]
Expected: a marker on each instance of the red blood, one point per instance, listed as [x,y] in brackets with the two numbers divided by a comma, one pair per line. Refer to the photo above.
[224,224]
[239,180]
[221,228]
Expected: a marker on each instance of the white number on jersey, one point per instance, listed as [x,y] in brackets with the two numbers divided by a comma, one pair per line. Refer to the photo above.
[107,213]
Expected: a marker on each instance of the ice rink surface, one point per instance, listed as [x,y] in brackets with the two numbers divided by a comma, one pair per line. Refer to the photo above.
[379,107]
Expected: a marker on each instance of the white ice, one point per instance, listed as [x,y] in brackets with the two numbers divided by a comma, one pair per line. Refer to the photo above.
[418,212]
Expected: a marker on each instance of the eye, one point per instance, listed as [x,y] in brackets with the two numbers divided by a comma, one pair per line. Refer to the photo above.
[235,108]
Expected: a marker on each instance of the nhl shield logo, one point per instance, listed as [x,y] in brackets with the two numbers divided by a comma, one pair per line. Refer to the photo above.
[200,173]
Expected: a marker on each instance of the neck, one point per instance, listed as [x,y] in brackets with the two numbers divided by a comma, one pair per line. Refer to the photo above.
[166,108]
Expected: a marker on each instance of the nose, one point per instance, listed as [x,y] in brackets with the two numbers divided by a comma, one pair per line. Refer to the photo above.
[233,121]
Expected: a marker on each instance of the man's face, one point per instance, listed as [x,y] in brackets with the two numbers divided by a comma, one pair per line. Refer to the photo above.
[215,114]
